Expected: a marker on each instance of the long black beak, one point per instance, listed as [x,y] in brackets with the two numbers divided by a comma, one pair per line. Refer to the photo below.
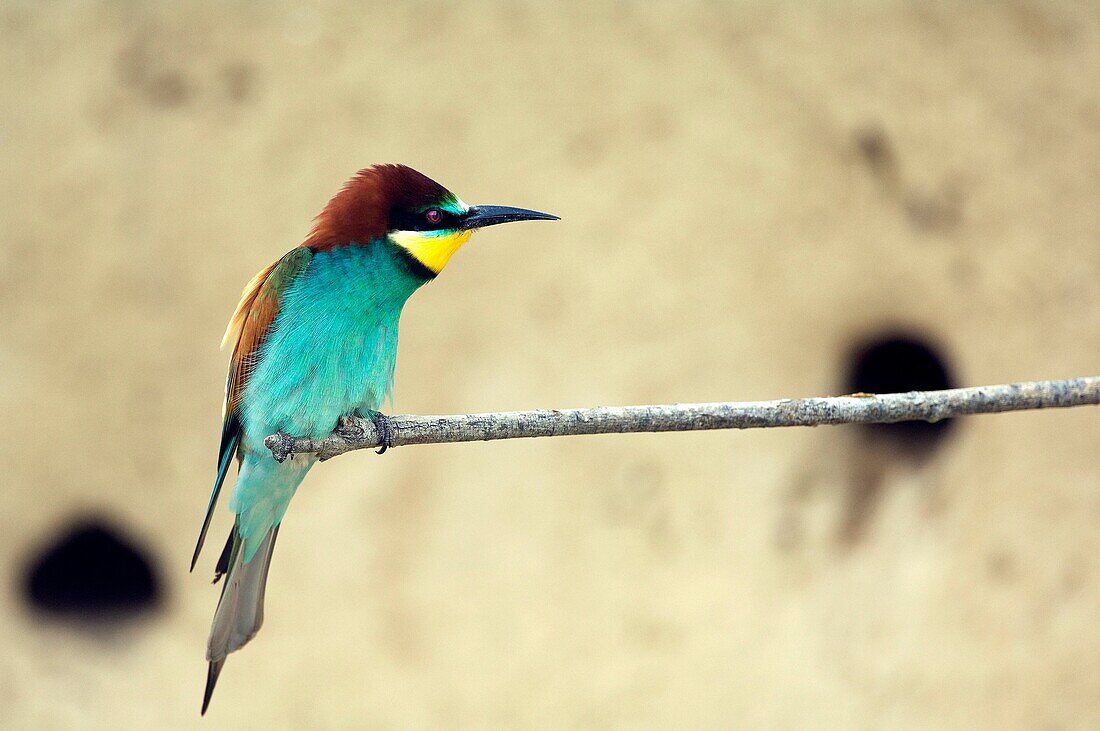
[481,216]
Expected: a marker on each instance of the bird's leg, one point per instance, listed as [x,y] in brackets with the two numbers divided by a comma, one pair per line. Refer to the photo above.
[347,428]
[382,424]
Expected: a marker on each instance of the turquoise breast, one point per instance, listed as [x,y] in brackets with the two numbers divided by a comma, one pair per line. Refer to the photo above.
[333,346]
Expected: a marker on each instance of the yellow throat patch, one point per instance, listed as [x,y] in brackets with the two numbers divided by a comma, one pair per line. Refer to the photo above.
[433,249]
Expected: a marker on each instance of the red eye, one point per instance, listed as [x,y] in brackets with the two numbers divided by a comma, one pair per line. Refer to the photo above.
[434,215]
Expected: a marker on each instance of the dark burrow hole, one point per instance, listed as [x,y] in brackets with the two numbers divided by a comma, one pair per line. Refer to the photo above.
[896,363]
[88,571]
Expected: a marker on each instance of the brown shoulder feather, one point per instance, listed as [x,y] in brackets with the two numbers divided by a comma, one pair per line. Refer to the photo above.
[253,319]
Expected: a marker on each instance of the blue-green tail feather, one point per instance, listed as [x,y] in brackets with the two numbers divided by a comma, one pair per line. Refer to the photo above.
[231,437]
[240,609]
[263,492]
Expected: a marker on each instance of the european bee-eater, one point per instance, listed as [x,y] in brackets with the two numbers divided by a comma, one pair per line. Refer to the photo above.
[315,342]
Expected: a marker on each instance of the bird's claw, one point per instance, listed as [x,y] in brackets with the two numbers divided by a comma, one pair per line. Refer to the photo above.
[348,428]
[384,427]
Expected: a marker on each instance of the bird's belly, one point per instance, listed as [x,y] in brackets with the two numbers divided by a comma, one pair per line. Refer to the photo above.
[304,384]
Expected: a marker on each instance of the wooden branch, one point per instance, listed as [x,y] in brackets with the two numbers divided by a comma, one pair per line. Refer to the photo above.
[852,409]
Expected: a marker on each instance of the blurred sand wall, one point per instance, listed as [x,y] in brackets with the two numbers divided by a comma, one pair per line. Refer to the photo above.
[746,191]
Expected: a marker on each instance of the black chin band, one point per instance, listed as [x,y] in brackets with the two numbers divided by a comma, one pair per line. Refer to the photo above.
[411,264]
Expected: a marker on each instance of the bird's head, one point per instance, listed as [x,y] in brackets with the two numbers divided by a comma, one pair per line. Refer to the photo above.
[412,211]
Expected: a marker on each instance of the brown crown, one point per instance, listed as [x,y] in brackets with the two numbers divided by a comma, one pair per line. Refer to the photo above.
[361,211]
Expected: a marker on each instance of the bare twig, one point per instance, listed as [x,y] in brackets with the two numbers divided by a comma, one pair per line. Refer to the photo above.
[853,409]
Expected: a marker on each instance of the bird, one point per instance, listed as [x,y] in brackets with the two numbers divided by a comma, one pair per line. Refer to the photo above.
[314,346]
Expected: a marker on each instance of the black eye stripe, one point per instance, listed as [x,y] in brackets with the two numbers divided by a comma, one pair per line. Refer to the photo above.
[404,220]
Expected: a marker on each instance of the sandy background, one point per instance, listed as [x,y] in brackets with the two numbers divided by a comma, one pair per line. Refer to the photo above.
[747,193]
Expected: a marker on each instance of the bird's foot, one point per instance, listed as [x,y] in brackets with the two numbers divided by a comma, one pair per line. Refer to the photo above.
[384,427]
[348,428]
[279,446]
